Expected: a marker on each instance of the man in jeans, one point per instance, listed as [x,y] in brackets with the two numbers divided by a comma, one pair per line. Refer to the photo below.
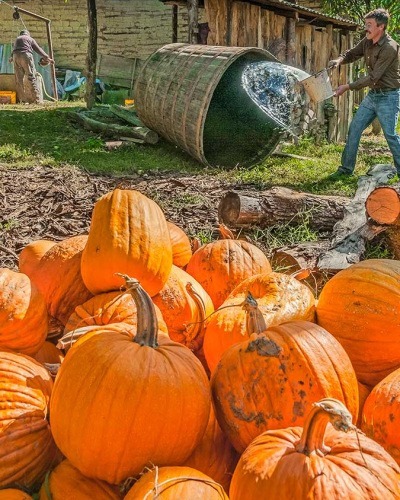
[382,57]
[24,66]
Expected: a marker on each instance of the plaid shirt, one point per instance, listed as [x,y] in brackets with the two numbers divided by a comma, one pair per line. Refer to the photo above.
[382,60]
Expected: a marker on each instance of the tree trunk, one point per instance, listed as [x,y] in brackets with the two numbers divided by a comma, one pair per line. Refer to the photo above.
[193,15]
[383,205]
[91,58]
[281,206]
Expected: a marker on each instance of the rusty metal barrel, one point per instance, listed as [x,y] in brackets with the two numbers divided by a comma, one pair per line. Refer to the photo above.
[193,96]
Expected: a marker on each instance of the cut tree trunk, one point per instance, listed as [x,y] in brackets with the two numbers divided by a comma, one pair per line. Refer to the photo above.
[281,206]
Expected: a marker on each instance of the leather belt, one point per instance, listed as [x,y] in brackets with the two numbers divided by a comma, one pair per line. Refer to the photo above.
[379,91]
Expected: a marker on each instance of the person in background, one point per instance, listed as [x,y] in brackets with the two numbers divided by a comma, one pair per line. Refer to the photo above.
[24,67]
[382,59]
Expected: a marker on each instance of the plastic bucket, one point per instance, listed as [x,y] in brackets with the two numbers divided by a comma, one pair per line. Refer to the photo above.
[318,86]
[193,96]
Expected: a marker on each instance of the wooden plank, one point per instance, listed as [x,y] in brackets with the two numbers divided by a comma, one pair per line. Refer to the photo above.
[117,70]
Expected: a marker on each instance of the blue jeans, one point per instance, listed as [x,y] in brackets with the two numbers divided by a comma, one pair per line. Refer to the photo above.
[385,105]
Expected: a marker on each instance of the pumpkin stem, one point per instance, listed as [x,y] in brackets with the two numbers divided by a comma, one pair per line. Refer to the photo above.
[147,325]
[225,233]
[255,322]
[193,329]
[324,411]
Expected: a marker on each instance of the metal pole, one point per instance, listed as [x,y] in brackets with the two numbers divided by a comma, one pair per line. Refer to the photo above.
[49,40]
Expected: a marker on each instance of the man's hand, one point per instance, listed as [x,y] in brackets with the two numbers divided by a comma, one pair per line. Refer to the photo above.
[334,63]
[341,89]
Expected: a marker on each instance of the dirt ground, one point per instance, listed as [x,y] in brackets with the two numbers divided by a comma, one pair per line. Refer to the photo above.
[46,203]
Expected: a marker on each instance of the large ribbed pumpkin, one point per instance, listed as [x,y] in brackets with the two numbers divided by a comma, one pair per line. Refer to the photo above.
[120,404]
[280,298]
[317,462]
[26,444]
[221,265]
[176,483]
[31,255]
[23,314]
[381,414]
[270,380]
[13,494]
[66,482]
[128,234]
[360,306]
[58,277]
[181,248]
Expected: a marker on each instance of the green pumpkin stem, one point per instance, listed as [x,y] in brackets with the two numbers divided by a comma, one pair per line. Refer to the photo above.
[255,322]
[326,410]
[147,324]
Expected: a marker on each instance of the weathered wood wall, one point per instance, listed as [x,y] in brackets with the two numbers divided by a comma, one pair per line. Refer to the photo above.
[294,43]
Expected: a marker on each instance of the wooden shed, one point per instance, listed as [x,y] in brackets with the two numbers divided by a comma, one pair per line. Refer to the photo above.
[297,35]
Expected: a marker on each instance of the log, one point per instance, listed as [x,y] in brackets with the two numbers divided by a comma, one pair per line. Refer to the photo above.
[149,136]
[281,205]
[126,115]
[383,205]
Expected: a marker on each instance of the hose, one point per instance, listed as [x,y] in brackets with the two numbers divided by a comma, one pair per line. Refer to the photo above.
[40,78]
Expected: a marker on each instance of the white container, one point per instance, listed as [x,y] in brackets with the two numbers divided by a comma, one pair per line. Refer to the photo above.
[318,86]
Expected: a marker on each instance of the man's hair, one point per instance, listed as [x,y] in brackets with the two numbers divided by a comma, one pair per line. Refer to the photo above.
[24,32]
[381,16]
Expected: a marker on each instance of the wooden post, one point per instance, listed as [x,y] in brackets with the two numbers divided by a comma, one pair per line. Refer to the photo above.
[174,23]
[193,14]
[91,58]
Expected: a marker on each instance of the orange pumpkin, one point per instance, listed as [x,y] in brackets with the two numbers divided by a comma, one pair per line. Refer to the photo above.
[128,234]
[270,380]
[363,393]
[172,483]
[381,414]
[13,494]
[221,265]
[280,298]
[58,277]
[318,462]
[65,481]
[360,306]
[214,456]
[151,391]
[23,315]
[31,254]
[106,308]
[184,305]
[26,444]
[181,248]
[49,353]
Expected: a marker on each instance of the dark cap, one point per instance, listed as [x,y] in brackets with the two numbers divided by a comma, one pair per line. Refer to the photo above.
[24,32]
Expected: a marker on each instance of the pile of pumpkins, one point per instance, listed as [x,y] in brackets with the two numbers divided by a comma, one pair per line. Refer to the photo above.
[132,368]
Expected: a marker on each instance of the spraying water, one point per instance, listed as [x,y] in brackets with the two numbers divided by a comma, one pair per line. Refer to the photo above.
[274,88]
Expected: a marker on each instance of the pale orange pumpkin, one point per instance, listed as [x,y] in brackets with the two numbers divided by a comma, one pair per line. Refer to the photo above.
[270,380]
[128,234]
[318,461]
[13,494]
[31,254]
[181,248]
[23,314]
[381,414]
[221,265]
[173,483]
[280,298]
[49,353]
[153,393]
[360,306]
[26,444]
[58,277]
[66,482]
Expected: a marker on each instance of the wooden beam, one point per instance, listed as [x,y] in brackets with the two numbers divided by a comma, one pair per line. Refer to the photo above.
[91,58]
[193,15]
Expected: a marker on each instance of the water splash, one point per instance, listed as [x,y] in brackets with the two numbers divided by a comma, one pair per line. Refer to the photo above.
[274,88]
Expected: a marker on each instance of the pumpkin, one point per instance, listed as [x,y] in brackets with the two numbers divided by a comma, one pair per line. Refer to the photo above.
[221,265]
[181,248]
[214,456]
[184,305]
[381,414]
[363,393]
[280,298]
[13,494]
[65,481]
[318,461]
[106,308]
[129,234]
[23,315]
[26,444]
[360,306]
[49,353]
[172,483]
[119,403]
[58,277]
[270,380]
[31,254]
